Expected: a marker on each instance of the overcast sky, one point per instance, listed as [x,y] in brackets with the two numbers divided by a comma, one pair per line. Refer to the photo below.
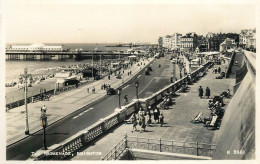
[63,21]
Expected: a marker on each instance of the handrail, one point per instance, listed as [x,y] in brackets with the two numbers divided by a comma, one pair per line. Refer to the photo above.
[192,148]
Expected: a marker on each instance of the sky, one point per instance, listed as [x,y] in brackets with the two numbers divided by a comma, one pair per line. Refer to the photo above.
[63,21]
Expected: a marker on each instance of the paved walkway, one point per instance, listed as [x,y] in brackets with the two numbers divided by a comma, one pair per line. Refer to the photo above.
[61,105]
[177,119]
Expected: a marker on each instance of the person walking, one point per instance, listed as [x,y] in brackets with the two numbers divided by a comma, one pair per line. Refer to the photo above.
[207,92]
[200,92]
[161,117]
[134,122]
[143,125]
[93,90]
[43,109]
[219,69]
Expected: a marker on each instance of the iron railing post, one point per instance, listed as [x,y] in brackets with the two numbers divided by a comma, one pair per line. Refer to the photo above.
[197,147]
[160,145]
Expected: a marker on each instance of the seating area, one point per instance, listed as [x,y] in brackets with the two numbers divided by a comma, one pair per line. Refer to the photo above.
[213,121]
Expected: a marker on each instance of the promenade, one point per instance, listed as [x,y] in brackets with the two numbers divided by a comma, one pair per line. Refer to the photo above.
[177,120]
[62,105]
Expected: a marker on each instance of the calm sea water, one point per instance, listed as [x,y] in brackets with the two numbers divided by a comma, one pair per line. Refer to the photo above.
[15,68]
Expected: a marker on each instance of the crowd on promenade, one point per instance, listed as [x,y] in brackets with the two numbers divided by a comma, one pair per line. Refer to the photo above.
[144,118]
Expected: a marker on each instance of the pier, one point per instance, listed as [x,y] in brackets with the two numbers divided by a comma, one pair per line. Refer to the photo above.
[63,55]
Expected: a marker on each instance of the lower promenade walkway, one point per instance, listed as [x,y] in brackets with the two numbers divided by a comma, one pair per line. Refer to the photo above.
[61,105]
[177,120]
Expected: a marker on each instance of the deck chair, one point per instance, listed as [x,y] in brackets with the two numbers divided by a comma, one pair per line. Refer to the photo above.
[212,123]
[129,121]
[197,118]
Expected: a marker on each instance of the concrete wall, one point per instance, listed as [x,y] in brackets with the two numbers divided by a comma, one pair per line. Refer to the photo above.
[236,138]
[138,154]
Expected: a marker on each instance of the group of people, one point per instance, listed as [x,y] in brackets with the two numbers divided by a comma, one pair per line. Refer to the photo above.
[201,92]
[43,94]
[143,118]
[216,70]
[93,90]
[105,86]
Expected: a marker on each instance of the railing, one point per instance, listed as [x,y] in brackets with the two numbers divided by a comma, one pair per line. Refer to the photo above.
[42,97]
[116,151]
[83,138]
[190,148]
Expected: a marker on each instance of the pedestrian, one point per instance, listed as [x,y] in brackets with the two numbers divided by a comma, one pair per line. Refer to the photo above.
[143,125]
[108,77]
[130,72]
[148,119]
[102,87]
[161,117]
[236,63]
[207,93]
[134,124]
[219,69]
[93,90]
[88,90]
[200,92]
[155,115]
[43,109]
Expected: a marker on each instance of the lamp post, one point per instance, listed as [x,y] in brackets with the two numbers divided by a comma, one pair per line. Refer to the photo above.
[25,102]
[92,64]
[136,86]
[119,94]
[44,125]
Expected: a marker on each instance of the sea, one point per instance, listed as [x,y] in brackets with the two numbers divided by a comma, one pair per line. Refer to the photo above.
[14,68]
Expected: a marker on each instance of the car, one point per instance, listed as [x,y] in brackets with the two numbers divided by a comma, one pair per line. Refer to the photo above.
[111,91]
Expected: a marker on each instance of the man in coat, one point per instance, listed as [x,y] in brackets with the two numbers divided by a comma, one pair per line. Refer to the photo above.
[207,92]
[200,92]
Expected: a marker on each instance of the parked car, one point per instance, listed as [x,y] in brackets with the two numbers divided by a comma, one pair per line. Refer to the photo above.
[111,91]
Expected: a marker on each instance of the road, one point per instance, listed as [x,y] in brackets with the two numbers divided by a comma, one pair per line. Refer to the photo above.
[82,119]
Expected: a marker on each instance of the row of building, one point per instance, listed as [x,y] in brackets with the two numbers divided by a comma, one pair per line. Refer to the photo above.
[211,42]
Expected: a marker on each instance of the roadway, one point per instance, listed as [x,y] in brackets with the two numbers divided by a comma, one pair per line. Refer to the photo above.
[84,118]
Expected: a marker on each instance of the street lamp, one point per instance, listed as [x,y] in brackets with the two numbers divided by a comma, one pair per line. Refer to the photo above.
[44,125]
[119,94]
[25,102]
[136,86]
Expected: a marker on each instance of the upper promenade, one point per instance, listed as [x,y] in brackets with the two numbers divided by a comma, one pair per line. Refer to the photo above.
[177,126]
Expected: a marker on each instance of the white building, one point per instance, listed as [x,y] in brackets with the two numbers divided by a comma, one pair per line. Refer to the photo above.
[247,38]
[172,41]
[167,41]
[35,47]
